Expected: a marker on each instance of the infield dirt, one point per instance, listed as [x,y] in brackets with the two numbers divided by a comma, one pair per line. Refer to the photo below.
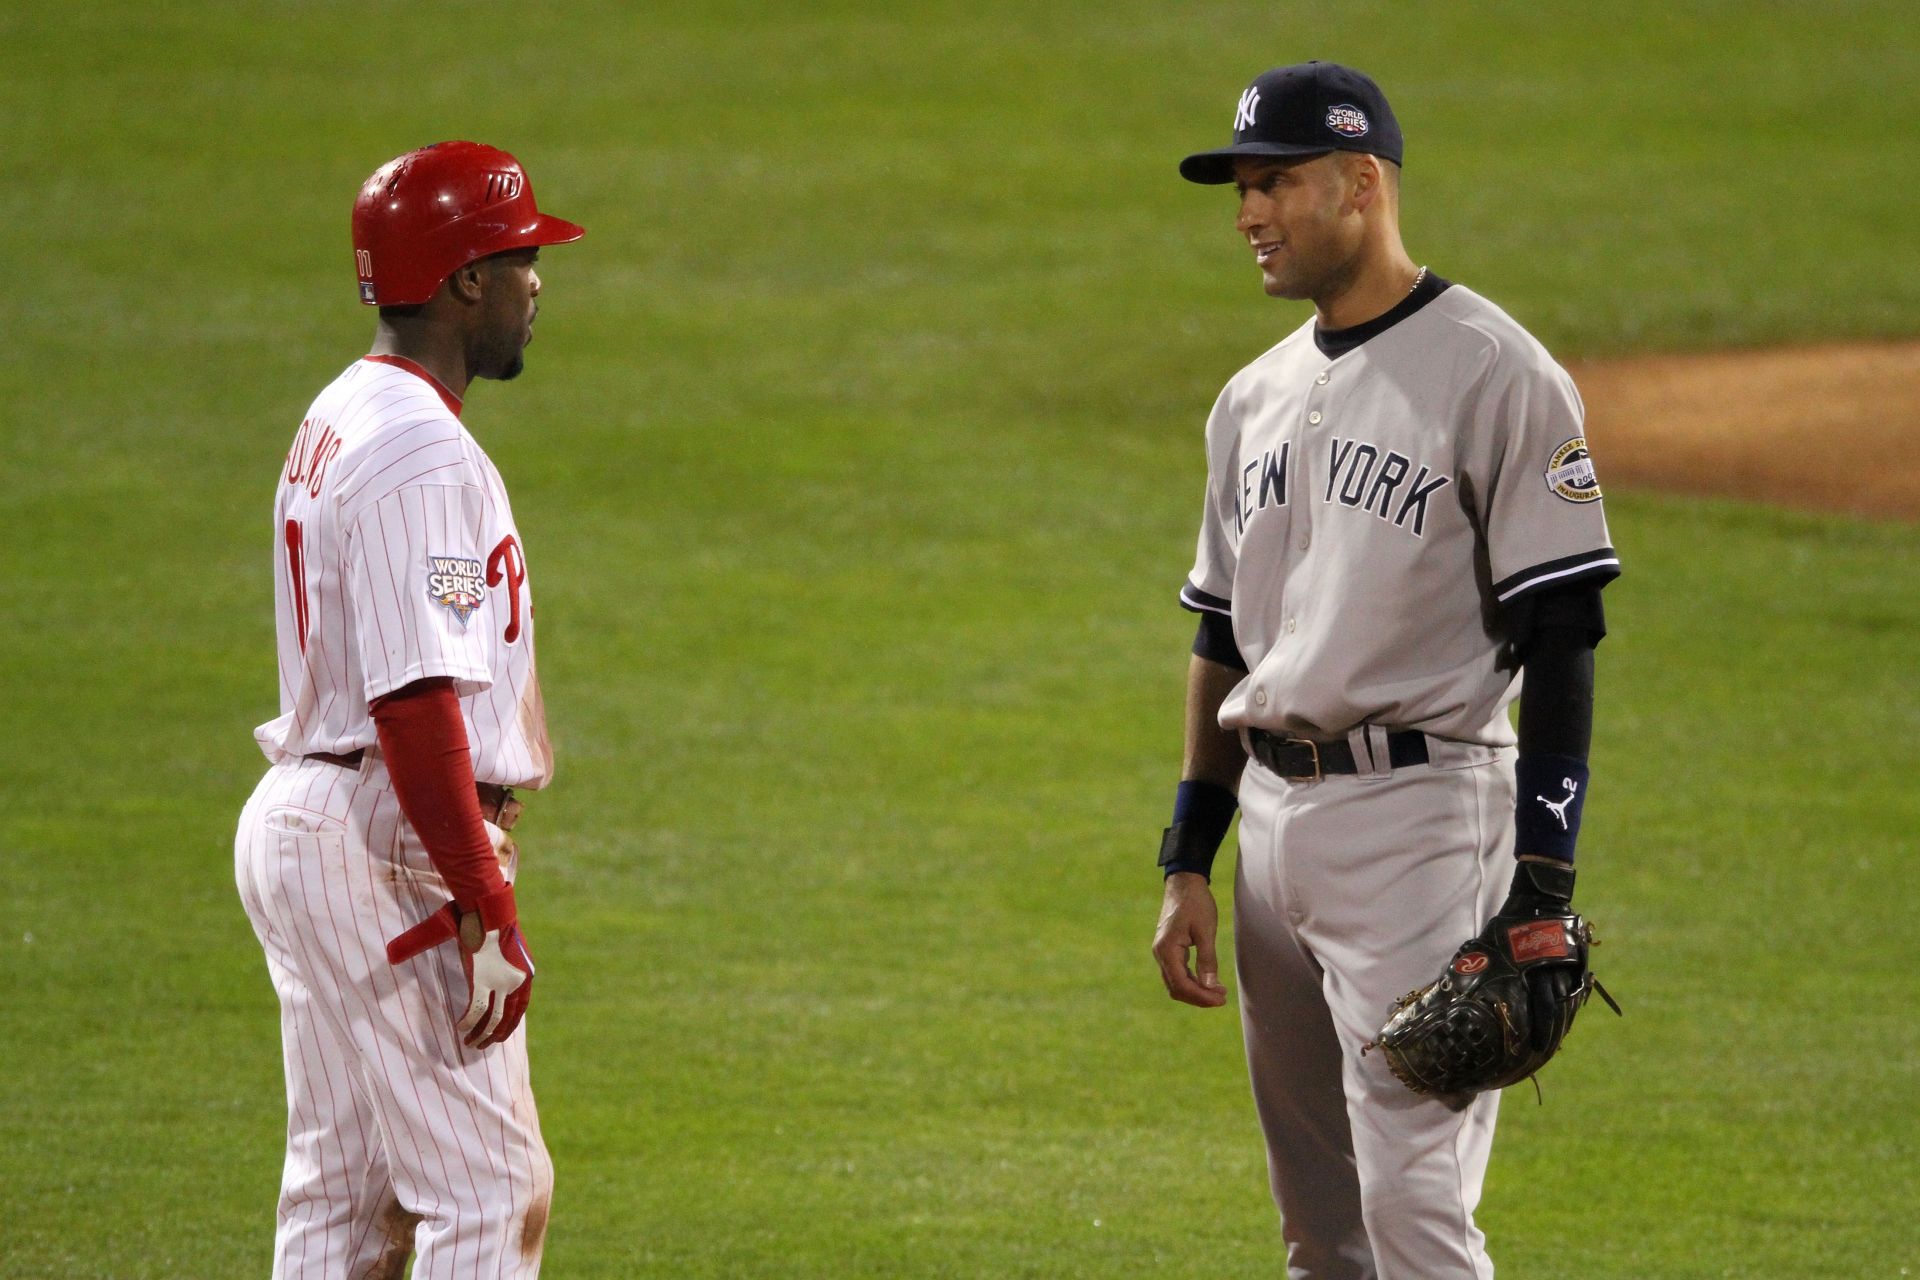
[1827,427]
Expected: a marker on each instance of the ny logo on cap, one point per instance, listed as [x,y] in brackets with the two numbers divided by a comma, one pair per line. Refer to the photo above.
[1249,103]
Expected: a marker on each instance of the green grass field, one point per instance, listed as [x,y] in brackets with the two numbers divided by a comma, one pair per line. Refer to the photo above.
[859,462]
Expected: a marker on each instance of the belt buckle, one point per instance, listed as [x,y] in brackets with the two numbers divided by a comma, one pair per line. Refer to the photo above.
[1313,749]
[497,797]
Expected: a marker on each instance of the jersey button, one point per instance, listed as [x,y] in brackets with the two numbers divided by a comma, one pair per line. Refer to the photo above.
[1260,697]
[1305,542]
[1314,416]
[1290,626]
[1322,379]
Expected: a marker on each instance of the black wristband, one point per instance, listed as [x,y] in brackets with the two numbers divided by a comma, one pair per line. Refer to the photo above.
[1550,791]
[1202,812]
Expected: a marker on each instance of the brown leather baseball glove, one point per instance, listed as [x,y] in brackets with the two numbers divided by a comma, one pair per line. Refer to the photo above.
[1505,1002]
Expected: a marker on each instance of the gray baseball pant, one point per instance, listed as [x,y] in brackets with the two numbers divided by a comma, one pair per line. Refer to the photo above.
[1350,892]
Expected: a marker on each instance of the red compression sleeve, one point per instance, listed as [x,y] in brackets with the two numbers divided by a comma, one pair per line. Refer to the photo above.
[424,742]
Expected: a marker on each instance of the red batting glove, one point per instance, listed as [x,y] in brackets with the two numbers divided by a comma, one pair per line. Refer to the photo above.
[442,926]
[493,955]
[500,976]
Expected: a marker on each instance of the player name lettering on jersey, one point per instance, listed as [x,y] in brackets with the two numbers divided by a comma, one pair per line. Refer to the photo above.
[1354,481]
[1263,484]
[314,446]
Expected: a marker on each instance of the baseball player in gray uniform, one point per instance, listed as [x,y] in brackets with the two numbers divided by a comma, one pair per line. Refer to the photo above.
[1401,516]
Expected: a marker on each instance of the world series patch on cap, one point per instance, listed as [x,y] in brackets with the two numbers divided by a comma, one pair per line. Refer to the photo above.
[1307,109]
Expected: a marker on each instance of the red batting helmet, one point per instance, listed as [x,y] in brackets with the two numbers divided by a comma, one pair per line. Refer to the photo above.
[425,215]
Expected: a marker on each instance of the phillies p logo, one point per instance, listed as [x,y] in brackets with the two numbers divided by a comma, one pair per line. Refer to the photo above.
[505,562]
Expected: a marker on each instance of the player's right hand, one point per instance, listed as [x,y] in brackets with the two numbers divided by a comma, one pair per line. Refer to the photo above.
[497,964]
[499,972]
[1189,920]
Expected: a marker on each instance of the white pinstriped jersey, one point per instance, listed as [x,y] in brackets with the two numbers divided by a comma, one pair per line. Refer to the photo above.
[396,558]
[1371,515]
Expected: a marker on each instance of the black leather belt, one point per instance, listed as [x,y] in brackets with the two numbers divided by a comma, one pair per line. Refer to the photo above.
[1304,760]
[493,796]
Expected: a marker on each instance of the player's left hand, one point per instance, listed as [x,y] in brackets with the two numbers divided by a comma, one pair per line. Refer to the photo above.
[1189,920]
[1506,1000]
[504,849]
[1543,892]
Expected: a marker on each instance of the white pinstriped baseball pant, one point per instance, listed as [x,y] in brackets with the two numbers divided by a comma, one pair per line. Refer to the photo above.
[398,1136]
[1349,893]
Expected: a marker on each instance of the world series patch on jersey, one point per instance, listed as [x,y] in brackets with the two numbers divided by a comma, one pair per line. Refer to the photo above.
[457,584]
[398,559]
[1390,501]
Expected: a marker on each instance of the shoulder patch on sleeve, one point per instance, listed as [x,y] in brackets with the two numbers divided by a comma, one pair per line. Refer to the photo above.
[1570,474]
[457,584]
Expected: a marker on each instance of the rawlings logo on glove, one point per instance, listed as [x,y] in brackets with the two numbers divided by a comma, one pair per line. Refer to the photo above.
[1541,940]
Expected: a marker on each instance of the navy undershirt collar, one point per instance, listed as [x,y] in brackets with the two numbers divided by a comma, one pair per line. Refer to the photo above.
[1337,342]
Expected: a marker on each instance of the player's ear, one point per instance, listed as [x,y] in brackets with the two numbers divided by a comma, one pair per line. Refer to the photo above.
[1364,180]
[465,283]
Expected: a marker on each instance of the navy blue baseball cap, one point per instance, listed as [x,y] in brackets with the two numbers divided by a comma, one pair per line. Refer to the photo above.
[1307,109]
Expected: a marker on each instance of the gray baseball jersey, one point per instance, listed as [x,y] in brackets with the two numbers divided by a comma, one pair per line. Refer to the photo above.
[1347,498]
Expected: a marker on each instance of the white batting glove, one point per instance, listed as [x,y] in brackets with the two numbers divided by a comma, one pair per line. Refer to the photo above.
[499,973]
[497,964]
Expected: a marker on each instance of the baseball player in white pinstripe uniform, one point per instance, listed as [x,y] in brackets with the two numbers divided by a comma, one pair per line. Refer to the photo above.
[373,859]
